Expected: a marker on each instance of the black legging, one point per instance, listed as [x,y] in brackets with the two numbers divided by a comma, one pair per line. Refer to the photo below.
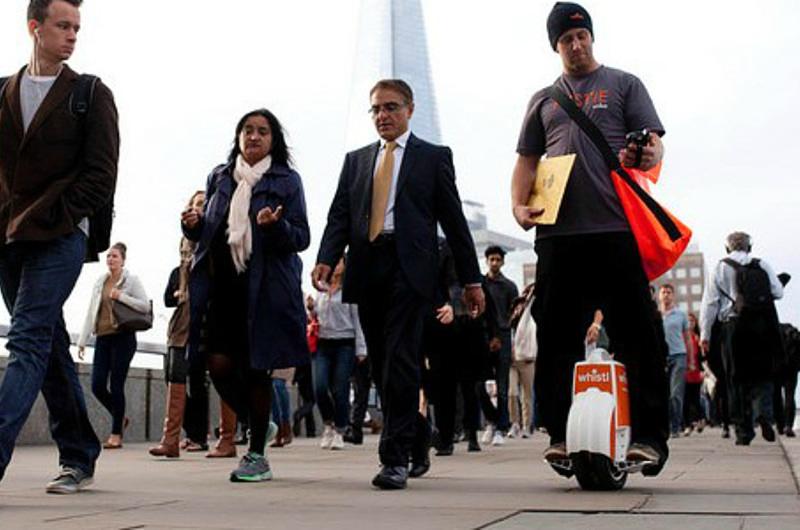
[112,359]
[247,391]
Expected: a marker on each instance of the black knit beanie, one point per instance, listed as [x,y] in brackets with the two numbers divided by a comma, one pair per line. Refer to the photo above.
[566,16]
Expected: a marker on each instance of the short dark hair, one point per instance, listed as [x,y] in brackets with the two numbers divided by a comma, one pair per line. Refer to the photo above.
[495,249]
[37,9]
[667,286]
[121,247]
[398,85]
[279,152]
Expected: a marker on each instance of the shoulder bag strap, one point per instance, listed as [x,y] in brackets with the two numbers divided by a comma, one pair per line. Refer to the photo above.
[735,266]
[596,136]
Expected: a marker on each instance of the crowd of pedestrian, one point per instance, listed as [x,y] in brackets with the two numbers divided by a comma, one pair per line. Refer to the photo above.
[405,335]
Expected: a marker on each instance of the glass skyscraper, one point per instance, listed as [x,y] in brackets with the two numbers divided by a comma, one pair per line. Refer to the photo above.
[392,44]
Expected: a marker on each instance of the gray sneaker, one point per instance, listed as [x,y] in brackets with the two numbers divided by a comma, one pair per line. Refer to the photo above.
[253,467]
[69,480]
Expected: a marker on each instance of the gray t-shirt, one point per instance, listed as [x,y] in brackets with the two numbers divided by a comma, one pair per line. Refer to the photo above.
[618,103]
[32,92]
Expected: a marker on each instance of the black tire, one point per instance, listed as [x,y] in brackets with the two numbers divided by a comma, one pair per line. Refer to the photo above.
[563,472]
[597,473]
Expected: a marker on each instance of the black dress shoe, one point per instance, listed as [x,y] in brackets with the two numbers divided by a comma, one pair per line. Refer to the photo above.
[354,437]
[391,478]
[420,468]
[473,446]
[420,452]
[446,450]
[767,432]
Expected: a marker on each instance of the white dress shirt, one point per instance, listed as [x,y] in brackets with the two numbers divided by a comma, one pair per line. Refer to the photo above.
[717,306]
[399,151]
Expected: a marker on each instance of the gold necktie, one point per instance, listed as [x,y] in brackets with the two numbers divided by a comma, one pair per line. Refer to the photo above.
[381,185]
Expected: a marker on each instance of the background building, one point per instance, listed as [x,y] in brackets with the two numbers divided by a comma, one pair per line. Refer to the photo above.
[688,277]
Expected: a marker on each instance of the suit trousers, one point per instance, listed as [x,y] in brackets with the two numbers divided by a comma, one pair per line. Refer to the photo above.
[391,314]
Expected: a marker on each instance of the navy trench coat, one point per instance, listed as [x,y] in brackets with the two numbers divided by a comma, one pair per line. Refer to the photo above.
[276,313]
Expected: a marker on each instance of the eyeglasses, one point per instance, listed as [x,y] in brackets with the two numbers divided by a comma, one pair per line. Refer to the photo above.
[390,108]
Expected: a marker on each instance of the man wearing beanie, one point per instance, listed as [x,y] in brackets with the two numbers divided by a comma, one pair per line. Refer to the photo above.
[588,259]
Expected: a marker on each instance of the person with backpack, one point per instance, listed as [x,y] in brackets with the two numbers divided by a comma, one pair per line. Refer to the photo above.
[59,146]
[741,296]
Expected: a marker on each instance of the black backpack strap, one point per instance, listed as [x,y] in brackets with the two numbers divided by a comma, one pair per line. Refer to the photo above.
[3,83]
[82,95]
[596,136]
[735,265]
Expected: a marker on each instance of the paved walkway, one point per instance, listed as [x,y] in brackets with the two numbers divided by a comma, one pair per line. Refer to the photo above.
[708,483]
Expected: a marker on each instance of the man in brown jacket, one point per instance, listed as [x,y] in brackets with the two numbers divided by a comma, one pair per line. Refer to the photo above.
[58,169]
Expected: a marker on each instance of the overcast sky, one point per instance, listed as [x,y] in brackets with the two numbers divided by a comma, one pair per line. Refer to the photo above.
[724,77]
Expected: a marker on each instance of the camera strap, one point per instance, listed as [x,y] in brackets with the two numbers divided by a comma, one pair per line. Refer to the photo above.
[596,136]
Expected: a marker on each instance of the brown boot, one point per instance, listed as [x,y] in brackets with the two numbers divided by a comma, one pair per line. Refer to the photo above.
[287,433]
[225,447]
[176,402]
[280,438]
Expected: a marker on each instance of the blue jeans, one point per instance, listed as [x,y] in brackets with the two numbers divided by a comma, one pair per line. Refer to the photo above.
[112,359]
[281,407]
[676,367]
[333,367]
[36,278]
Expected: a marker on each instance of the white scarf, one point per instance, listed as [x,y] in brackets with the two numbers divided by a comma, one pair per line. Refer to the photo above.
[240,233]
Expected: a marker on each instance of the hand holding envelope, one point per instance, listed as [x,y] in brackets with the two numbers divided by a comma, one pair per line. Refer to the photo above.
[552,175]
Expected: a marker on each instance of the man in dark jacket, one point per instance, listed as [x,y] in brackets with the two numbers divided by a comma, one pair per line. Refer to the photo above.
[391,194]
[56,170]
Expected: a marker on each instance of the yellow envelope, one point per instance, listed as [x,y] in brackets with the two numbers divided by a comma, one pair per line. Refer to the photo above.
[552,175]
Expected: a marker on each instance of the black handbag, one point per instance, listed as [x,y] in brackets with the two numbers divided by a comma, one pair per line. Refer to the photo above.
[127,318]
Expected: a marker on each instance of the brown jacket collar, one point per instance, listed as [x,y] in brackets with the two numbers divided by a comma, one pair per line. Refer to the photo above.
[60,90]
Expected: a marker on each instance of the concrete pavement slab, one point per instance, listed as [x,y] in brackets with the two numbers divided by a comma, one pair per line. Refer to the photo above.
[708,481]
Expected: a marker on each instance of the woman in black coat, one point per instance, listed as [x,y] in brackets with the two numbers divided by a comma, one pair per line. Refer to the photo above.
[245,281]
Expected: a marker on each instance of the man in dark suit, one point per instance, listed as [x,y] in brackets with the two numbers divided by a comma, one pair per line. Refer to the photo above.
[57,170]
[390,197]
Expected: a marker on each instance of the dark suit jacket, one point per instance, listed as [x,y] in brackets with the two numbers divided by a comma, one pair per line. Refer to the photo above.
[426,195]
[60,170]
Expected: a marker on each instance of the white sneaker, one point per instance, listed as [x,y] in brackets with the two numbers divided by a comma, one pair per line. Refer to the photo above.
[327,437]
[337,442]
[498,438]
[514,432]
[488,434]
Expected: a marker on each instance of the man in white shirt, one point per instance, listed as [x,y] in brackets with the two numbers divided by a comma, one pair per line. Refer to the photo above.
[749,335]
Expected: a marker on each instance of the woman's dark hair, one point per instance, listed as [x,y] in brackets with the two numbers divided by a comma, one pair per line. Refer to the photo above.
[120,247]
[192,198]
[279,152]
[696,328]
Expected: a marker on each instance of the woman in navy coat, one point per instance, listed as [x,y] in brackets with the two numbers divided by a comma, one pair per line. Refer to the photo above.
[245,289]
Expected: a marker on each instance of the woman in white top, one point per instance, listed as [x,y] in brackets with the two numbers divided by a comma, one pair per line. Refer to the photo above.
[114,349]
[340,342]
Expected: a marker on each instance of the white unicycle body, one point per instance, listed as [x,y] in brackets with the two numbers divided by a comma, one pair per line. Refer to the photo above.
[598,426]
